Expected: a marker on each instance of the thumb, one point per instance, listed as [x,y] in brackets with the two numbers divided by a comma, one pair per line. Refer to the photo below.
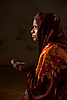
[12,61]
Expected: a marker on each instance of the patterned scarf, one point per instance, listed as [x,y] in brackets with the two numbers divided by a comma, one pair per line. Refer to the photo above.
[49,30]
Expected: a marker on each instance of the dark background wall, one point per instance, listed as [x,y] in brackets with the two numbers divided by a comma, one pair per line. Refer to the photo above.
[15,25]
[16,42]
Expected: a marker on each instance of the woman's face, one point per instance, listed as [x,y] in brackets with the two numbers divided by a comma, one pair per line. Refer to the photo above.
[34,31]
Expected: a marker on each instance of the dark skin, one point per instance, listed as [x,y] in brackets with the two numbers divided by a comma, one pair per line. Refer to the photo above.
[21,66]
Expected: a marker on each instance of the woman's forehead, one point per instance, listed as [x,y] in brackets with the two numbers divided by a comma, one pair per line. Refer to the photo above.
[34,22]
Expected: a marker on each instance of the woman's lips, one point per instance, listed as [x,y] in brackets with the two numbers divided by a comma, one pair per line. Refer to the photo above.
[33,36]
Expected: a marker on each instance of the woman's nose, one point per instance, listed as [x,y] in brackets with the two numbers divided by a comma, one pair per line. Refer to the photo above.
[32,31]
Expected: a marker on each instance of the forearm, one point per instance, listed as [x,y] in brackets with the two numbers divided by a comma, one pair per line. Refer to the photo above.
[22,67]
[25,68]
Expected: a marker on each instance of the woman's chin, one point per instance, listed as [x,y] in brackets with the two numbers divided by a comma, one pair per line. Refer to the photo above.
[34,39]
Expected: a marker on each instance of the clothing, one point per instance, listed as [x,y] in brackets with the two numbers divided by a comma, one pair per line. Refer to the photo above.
[49,30]
[50,77]
[25,97]
[49,80]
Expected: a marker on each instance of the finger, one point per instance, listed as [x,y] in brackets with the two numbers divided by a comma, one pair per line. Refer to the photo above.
[19,68]
[12,61]
[15,66]
[20,63]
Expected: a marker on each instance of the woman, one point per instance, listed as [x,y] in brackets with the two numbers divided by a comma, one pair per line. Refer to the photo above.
[49,80]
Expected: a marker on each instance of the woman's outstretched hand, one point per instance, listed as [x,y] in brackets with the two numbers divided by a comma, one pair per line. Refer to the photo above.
[21,66]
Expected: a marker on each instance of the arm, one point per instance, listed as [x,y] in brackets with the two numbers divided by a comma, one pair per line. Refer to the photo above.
[20,66]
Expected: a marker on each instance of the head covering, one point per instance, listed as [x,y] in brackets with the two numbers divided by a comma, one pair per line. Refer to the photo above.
[49,30]
[43,83]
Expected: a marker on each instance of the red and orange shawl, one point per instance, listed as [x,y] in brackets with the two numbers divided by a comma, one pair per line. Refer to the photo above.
[49,80]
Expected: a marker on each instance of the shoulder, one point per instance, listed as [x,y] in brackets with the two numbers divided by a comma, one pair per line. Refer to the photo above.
[54,49]
[52,59]
[55,53]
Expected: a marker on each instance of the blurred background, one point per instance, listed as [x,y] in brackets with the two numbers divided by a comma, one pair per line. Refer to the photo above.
[16,18]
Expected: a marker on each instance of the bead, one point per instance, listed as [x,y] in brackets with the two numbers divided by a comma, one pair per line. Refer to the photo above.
[58,60]
[47,46]
[44,51]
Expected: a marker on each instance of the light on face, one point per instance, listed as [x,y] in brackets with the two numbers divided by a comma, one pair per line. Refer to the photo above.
[34,31]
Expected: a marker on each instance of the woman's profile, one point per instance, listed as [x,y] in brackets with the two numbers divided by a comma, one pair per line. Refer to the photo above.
[49,79]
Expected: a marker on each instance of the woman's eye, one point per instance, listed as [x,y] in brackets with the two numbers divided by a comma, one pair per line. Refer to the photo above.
[34,26]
